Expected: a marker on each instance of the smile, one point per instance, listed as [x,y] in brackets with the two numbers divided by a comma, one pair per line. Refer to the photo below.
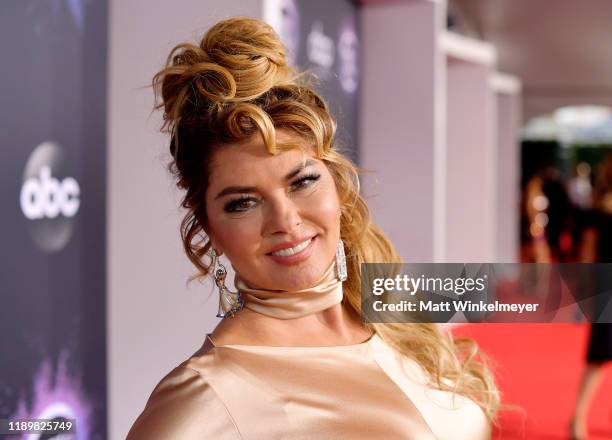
[293,250]
[297,254]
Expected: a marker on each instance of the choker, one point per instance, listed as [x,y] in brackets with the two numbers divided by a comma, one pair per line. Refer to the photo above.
[283,304]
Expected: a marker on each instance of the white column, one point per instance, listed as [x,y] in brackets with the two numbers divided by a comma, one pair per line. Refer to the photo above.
[401,124]
[507,91]
[471,162]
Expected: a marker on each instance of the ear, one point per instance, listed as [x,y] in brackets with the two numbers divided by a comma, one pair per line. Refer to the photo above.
[214,243]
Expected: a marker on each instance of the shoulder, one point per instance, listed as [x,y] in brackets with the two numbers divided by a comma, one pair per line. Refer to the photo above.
[184,405]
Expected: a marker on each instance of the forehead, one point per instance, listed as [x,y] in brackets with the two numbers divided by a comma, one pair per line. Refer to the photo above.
[246,162]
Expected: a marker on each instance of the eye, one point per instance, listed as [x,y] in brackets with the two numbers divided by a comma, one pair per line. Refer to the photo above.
[305,181]
[241,204]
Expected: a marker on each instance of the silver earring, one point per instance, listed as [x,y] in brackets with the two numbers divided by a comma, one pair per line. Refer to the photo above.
[341,261]
[229,302]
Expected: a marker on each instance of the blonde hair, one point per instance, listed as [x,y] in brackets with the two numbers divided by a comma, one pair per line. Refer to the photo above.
[237,84]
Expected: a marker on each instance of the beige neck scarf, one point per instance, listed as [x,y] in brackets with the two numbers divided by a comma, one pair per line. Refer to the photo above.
[284,304]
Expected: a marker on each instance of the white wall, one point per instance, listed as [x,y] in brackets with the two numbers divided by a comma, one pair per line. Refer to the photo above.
[400,115]
[508,170]
[154,321]
[471,173]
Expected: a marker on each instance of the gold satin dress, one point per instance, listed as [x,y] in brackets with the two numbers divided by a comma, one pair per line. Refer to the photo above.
[360,391]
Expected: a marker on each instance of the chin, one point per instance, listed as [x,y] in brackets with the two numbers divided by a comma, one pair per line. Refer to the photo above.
[300,278]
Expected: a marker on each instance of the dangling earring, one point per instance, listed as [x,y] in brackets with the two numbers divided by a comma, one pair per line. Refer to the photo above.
[229,302]
[341,261]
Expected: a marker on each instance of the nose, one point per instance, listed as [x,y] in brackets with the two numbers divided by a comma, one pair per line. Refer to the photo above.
[282,216]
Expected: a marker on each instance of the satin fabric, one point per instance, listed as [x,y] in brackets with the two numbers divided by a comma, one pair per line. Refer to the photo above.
[283,304]
[360,391]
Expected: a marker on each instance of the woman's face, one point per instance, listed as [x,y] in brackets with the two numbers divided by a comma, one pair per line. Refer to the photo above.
[276,217]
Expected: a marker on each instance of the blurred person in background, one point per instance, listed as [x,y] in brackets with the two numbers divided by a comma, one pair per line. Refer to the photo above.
[253,149]
[580,193]
[596,247]
[545,217]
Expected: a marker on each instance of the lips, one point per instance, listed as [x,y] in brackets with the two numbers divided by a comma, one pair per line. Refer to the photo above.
[288,245]
[292,250]
[294,253]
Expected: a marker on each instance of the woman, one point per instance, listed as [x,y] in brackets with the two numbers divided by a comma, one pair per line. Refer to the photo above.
[253,147]
[597,247]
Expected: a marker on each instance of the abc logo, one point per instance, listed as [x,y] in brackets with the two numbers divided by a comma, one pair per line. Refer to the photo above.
[49,199]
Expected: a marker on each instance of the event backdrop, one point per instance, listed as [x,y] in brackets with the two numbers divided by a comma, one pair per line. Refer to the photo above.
[323,37]
[52,191]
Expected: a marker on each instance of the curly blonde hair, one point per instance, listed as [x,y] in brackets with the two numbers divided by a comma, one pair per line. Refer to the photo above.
[237,84]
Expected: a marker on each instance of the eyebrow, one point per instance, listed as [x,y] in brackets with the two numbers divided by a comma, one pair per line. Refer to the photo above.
[249,189]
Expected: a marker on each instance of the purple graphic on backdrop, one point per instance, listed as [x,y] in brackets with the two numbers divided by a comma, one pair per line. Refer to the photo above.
[57,396]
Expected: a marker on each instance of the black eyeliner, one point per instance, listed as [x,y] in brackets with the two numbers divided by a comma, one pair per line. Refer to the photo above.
[232,204]
[310,176]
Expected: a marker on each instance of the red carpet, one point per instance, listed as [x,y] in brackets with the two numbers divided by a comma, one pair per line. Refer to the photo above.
[538,368]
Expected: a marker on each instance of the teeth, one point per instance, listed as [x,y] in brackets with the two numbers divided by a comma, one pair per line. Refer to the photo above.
[294,250]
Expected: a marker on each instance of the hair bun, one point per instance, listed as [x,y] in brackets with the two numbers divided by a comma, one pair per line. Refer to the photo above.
[242,43]
[252,53]
[238,60]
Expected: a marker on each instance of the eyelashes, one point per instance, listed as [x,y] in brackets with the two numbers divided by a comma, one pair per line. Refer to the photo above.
[241,204]
[305,181]
[244,203]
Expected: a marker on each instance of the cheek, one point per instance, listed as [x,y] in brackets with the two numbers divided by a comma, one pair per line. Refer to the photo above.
[325,210]
[236,236]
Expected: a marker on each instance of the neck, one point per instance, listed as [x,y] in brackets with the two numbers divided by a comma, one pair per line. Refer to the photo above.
[283,304]
[336,325]
[316,316]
